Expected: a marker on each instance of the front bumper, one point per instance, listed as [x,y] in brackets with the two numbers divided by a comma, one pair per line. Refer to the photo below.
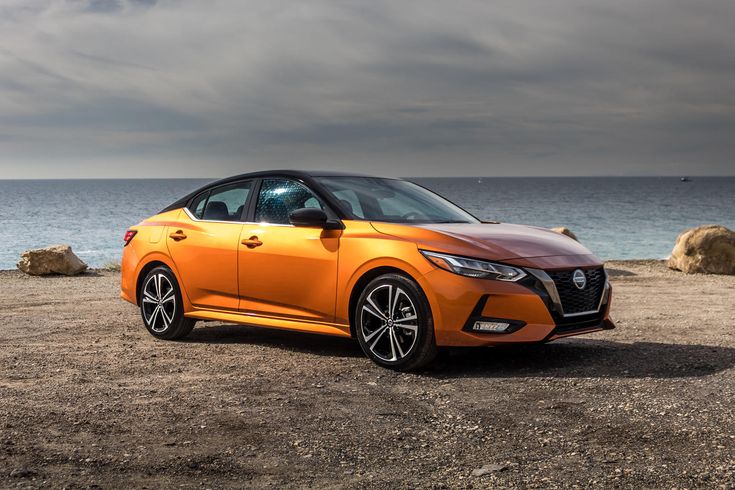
[457,302]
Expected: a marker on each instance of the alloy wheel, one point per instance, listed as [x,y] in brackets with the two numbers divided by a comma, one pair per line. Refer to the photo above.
[389,323]
[159,303]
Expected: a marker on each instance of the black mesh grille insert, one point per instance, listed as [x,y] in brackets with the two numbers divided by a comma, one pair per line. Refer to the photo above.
[581,322]
[575,300]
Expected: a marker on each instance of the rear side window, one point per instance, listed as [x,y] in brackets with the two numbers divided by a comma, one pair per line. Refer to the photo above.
[225,203]
[197,205]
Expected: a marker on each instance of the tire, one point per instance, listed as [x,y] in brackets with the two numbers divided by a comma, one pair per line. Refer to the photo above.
[393,323]
[161,306]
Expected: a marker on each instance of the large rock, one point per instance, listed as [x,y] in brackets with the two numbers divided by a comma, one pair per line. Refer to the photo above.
[565,231]
[54,259]
[708,249]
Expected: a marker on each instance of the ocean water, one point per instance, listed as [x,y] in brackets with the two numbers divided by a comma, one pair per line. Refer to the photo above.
[616,218]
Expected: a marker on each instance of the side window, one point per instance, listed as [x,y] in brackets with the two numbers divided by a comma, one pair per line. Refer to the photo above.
[224,203]
[280,197]
[197,205]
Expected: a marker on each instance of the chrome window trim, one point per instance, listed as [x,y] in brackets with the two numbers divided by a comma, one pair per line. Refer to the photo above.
[550,287]
[193,218]
[256,195]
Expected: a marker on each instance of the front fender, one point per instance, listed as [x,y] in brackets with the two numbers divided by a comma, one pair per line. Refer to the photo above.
[358,258]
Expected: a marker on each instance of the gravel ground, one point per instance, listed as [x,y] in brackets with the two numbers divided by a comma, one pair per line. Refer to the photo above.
[89,399]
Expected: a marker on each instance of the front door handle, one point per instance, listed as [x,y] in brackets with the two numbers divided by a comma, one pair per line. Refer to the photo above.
[178,235]
[252,242]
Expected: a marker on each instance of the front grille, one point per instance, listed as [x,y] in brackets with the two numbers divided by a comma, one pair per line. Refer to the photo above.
[575,300]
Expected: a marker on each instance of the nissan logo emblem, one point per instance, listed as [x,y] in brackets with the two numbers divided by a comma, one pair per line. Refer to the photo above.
[579,279]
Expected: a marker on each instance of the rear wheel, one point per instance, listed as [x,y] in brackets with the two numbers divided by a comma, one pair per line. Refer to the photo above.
[393,323]
[161,306]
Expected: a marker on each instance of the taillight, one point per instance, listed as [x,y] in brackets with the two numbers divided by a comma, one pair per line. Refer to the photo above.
[129,236]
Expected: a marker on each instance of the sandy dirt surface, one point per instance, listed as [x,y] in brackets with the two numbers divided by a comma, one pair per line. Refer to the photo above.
[88,399]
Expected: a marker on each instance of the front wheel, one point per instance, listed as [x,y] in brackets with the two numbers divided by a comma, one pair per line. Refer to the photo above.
[393,323]
[161,306]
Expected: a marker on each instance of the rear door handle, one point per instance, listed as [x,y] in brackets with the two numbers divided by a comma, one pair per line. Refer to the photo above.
[252,242]
[177,236]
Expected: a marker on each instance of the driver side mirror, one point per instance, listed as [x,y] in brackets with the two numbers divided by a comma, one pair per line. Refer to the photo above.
[312,218]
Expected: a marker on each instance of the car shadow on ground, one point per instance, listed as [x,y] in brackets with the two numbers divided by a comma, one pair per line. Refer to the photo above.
[587,358]
[322,345]
[584,358]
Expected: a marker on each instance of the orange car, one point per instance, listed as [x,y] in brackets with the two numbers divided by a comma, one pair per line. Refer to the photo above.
[386,261]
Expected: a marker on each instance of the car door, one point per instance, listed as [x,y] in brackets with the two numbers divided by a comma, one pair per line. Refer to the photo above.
[205,244]
[287,271]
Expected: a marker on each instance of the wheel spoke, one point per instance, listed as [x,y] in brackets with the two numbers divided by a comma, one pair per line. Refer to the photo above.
[154,317]
[166,319]
[376,311]
[398,345]
[412,328]
[376,332]
[372,311]
[158,285]
[148,317]
[147,298]
[404,319]
[394,303]
[378,337]
[390,301]
[169,296]
[392,345]
[152,288]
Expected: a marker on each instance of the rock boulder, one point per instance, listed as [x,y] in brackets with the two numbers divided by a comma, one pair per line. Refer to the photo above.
[565,231]
[54,259]
[708,249]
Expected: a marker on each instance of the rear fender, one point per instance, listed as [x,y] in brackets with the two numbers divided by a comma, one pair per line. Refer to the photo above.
[161,258]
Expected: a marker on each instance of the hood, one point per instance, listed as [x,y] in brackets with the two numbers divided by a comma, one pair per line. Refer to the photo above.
[492,241]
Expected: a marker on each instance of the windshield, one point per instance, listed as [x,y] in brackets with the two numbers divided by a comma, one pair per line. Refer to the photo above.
[393,201]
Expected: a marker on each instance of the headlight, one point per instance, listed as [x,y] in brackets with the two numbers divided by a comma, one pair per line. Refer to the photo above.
[474,268]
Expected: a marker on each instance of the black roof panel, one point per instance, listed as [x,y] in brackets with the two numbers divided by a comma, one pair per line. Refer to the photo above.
[305,175]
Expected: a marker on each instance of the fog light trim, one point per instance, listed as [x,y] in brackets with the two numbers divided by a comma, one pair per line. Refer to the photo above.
[491,327]
[476,317]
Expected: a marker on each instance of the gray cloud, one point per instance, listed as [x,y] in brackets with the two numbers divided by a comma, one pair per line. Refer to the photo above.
[183,87]
[110,6]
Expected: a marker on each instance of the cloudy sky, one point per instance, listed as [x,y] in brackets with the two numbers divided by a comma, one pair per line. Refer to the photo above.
[146,88]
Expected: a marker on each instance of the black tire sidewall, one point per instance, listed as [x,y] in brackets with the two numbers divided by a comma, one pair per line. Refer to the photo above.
[174,330]
[424,350]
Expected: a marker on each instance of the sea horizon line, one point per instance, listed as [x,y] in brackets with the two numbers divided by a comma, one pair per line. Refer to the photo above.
[689,176]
